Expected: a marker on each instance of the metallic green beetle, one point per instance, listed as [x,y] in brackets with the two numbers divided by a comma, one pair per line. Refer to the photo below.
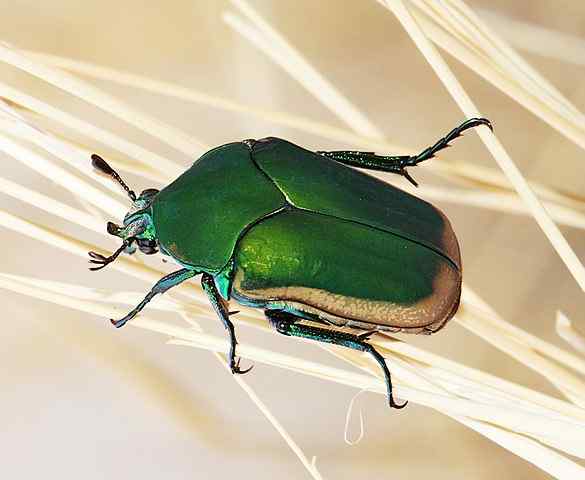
[304,237]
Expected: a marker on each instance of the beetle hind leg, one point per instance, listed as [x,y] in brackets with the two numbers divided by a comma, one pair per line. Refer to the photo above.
[429,152]
[398,163]
[288,324]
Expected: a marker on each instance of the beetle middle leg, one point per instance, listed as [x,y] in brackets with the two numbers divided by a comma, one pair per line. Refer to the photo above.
[397,164]
[288,324]
[169,281]
[220,307]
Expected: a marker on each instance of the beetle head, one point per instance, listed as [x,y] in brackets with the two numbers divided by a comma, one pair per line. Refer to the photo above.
[138,226]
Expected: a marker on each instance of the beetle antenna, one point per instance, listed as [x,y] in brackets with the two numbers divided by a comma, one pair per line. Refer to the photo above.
[102,166]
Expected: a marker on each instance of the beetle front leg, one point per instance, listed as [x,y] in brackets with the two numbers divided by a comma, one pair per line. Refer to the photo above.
[101,261]
[397,164]
[220,307]
[169,281]
[287,323]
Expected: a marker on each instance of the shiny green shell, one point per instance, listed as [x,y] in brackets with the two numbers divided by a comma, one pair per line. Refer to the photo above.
[200,216]
[295,230]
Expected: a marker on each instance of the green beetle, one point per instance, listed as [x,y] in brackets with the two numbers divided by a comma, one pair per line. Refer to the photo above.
[305,237]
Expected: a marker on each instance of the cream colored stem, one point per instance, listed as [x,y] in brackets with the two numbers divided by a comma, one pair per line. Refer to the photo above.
[491,142]
[99,99]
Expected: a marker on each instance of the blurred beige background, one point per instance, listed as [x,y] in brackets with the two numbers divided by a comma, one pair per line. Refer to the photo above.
[82,400]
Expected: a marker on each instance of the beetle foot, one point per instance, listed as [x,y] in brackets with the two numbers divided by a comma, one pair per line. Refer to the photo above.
[398,406]
[98,259]
[118,323]
[476,122]
[443,143]
[235,366]
[102,261]
[458,131]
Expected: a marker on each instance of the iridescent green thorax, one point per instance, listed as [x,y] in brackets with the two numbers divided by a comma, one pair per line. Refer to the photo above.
[202,214]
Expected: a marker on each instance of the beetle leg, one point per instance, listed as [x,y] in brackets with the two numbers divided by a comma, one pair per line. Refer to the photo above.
[169,281]
[220,307]
[287,324]
[429,153]
[371,161]
[397,164]
[101,261]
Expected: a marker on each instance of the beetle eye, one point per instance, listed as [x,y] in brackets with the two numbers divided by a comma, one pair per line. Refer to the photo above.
[145,198]
[149,192]
[148,247]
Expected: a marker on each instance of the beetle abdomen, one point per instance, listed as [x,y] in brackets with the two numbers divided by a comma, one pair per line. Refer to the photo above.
[344,273]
